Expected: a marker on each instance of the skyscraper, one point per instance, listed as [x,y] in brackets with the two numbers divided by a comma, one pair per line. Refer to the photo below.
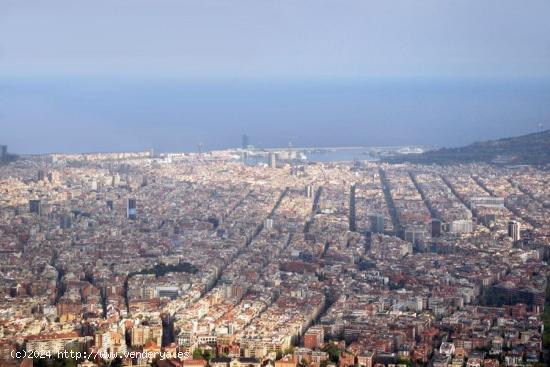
[52,176]
[377,223]
[272,160]
[35,206]
[309,191]
[415,234]
[3,153]
[131,210]
[435,226]
[65,221]
[514,229]
[245,141]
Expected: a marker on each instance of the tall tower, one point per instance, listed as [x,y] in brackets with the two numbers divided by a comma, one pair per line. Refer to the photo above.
[65,221]
[131,210]
[514,229]
[199,149]
[377,223]
[293,168]
[309,191]
[272,160]
[3,153]
[35,206]
[245,141]
[435,227]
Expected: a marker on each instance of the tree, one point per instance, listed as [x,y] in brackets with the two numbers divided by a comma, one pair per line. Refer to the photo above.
[289,350]
[197,353]
[333,352]
[207,354]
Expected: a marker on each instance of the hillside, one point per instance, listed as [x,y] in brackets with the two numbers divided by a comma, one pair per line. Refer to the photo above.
[526,149]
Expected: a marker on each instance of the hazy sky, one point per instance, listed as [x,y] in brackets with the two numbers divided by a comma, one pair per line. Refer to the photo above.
[279,38]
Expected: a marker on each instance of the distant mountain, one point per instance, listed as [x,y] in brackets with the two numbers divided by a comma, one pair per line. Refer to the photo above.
[526,149]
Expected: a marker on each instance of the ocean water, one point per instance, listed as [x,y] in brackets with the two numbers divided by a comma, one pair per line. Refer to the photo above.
[40,115]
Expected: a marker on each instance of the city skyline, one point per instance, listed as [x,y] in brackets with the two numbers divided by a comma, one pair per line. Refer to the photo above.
[288,183]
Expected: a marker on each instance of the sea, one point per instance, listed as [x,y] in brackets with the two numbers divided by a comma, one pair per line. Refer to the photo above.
[62,114]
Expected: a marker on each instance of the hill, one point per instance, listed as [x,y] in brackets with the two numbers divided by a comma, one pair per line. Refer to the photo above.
[526,149]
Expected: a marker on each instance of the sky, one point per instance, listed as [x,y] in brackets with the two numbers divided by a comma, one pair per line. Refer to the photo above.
[276,39]
[106,75]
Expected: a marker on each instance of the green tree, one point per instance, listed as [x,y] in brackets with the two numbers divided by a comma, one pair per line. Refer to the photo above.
[289,350]
[333,352]
[207,354]
[197,353]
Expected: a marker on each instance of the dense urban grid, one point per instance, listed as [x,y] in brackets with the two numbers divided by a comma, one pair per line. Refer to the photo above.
[200,259]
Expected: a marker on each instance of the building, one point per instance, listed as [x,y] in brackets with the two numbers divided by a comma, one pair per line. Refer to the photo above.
[309,191]
[3,153]
[415,234]
[365,359]
[54,343]
[131,209]
[245,141]
[35,206]
[65,221]
[510,294]
[52,177]
[268,224]
[493,202]
[447,349]
[377,223]
[514,228]
[111,342]
[435,226]
[272,160]
[168,292]
[141,334]
[488,219]
[87,364]
[461,226]
[245,362]
[220,361]
[314,337]
[199,362]
[286,362]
